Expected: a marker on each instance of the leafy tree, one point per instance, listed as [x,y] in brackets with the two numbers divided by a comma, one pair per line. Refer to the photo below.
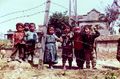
[59,20]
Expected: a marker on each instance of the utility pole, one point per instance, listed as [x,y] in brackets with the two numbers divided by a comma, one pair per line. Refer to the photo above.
[47,9]
[45,25]
[73,12]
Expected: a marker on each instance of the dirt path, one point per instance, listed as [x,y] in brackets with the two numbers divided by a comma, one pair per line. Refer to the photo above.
[101,64]
[24,71]
[106,65]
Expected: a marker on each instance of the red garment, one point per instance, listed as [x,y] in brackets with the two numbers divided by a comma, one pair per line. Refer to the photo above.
[18,37]
[77,41]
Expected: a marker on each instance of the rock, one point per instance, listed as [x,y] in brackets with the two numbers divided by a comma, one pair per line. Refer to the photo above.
[2,53]
[3,64]
[14,64]
[25,65]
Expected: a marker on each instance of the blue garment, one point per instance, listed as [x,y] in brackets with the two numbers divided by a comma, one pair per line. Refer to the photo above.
[31,36]
[50,54]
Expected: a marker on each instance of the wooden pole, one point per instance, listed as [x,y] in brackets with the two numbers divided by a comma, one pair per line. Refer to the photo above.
[47,9]
[44,29]
[75,12]
[73,8]
[46,20]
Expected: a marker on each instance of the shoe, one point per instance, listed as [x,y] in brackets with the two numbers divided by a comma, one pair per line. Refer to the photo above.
[94,67]
[9,59]
[26,60]
[87,67]
[64,68]
[51,67]
[20,60]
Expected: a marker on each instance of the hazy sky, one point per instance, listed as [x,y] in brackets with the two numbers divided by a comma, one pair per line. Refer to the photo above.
[15,10]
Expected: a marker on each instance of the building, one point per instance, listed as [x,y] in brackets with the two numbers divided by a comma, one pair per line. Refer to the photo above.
[96,19]
[9,35]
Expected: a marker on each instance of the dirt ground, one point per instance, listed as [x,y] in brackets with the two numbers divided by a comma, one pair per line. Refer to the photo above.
[107,68]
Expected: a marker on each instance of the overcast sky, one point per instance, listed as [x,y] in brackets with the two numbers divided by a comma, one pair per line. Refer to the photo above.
[13,11]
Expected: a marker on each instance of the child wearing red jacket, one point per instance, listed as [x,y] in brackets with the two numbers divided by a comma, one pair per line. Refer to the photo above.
[78,47]
[19,42]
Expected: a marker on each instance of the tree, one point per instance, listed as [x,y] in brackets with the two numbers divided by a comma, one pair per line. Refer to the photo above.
[111,14]
[58,20]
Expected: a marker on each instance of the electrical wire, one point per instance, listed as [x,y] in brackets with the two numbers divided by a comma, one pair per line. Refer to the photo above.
[18,17]
[22,11]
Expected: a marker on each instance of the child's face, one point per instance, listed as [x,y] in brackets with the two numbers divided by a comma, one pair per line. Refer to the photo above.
[32,28]
[77,30]
[67,30]
[51,30]
[26,27]
[87,30]
[19,28]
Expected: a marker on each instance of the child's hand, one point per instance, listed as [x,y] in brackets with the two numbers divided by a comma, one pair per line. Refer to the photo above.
[95,28]
[60,39]
[69,35]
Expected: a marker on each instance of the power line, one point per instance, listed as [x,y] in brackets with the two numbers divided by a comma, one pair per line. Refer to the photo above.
[22,10]
[26,11]
[31,9]
[18,17]
[60,5]
[21,17]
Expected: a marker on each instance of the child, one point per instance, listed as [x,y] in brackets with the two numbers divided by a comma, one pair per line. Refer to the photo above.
[26,27]
[118,51]
[67,47]
[26,30]
[31,40]
[78,47]
[88,41]
[50,53]
[18,38]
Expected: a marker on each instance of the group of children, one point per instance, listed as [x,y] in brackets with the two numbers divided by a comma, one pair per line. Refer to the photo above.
[74,40]
[77,41]
[24,40]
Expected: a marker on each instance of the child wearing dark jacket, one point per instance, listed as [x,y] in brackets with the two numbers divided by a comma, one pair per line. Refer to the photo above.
[67,47]
[88,45]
